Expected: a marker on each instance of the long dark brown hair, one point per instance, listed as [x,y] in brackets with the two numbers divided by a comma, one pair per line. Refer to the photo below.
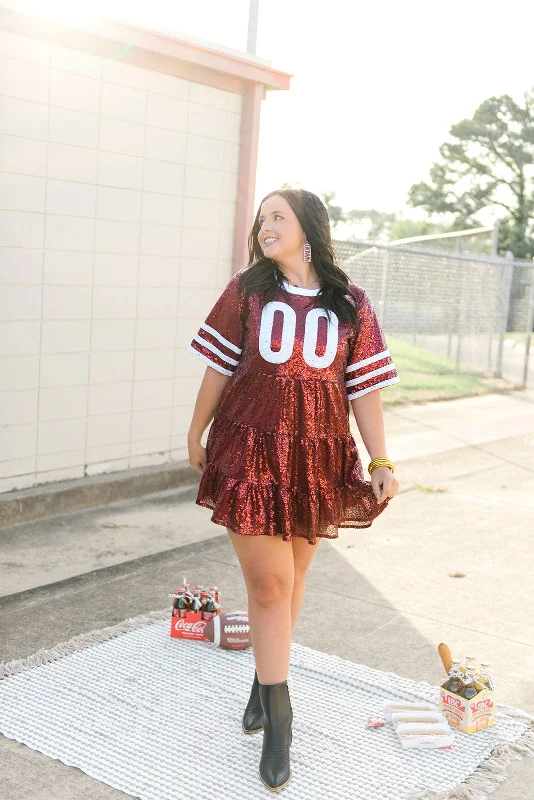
[263,274]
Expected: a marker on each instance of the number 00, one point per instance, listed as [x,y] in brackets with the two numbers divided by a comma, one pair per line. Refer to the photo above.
[311,330]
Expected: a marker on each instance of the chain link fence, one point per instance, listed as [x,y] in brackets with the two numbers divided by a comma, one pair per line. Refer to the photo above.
[478,310]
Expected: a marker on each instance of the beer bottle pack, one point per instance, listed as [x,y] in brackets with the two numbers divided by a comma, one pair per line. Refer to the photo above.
[467,697]
[191,611]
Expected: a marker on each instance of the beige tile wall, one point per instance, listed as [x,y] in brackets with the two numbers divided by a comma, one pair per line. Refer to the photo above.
[117,207]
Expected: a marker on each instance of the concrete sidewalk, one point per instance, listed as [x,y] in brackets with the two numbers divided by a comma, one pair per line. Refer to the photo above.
[466,504]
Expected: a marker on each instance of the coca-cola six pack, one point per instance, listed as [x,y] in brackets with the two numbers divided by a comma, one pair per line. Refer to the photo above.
[191,610]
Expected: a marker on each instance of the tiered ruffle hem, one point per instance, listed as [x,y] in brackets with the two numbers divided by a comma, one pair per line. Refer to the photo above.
[264,482]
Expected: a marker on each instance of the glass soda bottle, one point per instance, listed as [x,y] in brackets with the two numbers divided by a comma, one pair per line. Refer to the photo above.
[455,681]
[184,587]
[210,608]
[485,676]
[215,592]
[469,660]
[469,689]
[196,602]
[175,603]
[183,604]
[202,593]
[175,596]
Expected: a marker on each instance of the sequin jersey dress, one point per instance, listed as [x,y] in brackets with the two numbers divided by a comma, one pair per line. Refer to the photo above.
[281,459]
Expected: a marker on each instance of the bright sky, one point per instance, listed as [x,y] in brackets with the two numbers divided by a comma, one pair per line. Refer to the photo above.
[376,85]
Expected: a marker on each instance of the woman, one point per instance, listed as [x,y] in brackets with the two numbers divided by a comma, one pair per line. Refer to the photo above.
[288,343]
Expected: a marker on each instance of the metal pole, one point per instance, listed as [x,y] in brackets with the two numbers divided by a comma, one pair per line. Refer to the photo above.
[252,26]
[494,252]
[495,238]
[451,312]
[417,312]
[460,318]
[505,307]
[384,288]
[530,325]
[489,318]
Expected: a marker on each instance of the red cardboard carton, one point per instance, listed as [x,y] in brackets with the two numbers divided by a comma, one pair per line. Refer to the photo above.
[190,624]
[189,627]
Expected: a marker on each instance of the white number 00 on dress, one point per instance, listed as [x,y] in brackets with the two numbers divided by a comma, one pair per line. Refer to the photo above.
[311,328]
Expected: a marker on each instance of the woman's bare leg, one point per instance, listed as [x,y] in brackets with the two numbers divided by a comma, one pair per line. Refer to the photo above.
[303,554]
[267,563]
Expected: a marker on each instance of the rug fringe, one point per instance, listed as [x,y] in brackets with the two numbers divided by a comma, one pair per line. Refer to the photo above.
[491,772]
[80,642]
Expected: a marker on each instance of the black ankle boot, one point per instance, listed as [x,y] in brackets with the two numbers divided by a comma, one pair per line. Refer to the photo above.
[253,716]
[277,735]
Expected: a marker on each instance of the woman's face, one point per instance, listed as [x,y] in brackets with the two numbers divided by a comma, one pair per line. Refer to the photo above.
[278,221]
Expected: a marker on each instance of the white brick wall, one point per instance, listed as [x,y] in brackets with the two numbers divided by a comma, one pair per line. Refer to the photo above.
[117,205]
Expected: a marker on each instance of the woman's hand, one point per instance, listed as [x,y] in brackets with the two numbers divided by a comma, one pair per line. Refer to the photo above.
[384,483]
[198,457]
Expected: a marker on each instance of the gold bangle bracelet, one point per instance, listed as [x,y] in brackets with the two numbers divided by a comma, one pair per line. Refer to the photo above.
[380,462]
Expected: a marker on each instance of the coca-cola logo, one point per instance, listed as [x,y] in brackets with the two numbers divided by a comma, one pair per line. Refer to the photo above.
[452,701]
[487,703]
[193,627]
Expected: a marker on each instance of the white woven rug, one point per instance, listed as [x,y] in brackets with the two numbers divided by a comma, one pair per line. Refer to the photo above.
[160,719]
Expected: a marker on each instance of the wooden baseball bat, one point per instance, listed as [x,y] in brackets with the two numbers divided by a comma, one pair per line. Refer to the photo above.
[445,655]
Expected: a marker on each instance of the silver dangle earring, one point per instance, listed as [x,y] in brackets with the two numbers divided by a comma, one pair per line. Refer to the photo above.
[307,251]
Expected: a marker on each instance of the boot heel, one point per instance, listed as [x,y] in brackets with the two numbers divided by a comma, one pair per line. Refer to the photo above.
[253,716]
[275,770]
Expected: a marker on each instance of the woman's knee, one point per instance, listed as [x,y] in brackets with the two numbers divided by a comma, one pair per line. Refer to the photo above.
[267,565]
[270,589]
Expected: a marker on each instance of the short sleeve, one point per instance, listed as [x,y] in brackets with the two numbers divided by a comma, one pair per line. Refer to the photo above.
[369,363]
[219,341]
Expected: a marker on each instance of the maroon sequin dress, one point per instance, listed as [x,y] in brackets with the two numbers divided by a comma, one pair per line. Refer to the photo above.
[280,455]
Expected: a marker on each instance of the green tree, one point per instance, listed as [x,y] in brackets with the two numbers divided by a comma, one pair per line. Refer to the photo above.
[384,226]
[379,222]
[404,228]
[335,212]
[488,163]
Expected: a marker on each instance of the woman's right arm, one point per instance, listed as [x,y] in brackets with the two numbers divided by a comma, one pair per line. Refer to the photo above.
[211,388]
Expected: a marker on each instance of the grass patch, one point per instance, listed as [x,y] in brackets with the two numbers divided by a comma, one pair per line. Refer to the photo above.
[519,339]
[426,376]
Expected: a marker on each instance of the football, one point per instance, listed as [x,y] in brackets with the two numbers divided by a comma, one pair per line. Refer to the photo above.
[229,630]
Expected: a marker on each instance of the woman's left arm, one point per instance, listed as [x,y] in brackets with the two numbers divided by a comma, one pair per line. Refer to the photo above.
[367,410]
